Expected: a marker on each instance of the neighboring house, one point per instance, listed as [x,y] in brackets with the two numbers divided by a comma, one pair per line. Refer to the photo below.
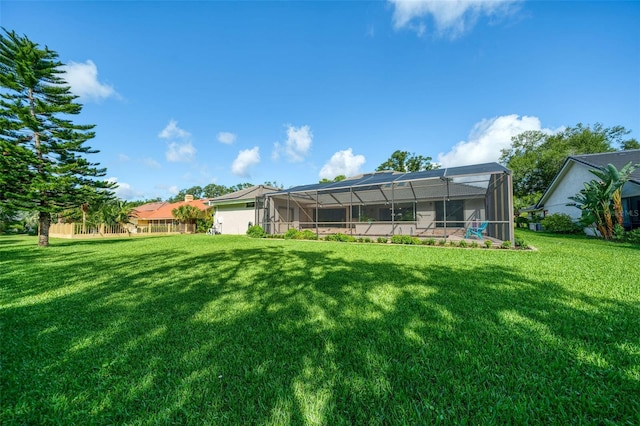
[575,172]
[158,217]
[235,212]
[434,203]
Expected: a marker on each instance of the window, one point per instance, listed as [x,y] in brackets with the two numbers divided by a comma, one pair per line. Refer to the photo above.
[455,213]
[332,215]
[631,208]
[402,212]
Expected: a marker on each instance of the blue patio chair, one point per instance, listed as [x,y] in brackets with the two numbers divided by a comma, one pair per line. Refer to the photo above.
[476,230]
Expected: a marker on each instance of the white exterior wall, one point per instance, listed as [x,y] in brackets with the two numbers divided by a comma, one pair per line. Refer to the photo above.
[473,206]
[426,214]
[235,218]
[569,185]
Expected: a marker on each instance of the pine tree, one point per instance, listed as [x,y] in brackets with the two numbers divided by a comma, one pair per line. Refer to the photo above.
[43,164]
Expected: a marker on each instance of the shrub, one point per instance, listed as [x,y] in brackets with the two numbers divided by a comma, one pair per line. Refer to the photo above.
[308,234]
[474,244]
[463,244]
[256,231]
[442,242]
[16,228]
[505,244]
[619,233]
[368,240]
[521,221]
[275,236]
[488,243]
[430,242]
[292,234]
[405,239]
[340,237]
[561,223]
[633,236]
[382,240]
[521,243]
[396,239]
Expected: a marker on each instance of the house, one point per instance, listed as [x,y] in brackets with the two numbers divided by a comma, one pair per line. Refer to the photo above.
[235,212]
[158,216]
[435,203]
[575,172]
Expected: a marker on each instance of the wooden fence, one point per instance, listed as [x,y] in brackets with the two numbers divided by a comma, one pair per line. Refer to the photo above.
[78,230]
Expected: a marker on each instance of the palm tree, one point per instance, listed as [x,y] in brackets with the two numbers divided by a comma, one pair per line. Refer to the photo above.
[601,200]
[187,214]
[115,212]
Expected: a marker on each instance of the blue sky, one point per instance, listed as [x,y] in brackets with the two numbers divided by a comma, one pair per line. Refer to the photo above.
[192,93]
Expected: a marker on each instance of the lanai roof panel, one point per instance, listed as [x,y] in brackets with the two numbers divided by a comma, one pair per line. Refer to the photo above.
[381,178]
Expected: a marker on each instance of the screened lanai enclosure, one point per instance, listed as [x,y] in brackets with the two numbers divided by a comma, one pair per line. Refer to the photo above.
[441,203]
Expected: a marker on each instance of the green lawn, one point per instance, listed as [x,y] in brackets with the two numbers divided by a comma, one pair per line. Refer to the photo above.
[227,330]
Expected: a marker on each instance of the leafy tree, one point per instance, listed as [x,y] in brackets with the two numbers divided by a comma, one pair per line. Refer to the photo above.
[196,191]
[273,184]
[630,144]
[404,161]
[136,203]
[536,157]
[212,190]
[335,179]
[240,186]
[601,200]
[43,152]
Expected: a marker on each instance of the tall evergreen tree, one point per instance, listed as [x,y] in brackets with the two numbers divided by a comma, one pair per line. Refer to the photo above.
[44,164]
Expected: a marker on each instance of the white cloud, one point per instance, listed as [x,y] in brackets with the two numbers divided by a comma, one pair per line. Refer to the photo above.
[452,17]
[297,144]
[487,138]
[83,80]
[172,131]
[173,190]
[124,191]
[123,158]
[180,152]
[245,159]
[151,163]
[226,138]
[342,163]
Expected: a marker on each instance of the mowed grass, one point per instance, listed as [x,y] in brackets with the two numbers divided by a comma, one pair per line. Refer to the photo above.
[222,329]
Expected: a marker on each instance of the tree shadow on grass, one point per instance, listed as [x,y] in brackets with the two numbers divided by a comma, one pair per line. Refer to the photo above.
[278,335]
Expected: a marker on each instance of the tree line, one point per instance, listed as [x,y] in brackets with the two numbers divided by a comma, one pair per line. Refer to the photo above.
[213,190]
